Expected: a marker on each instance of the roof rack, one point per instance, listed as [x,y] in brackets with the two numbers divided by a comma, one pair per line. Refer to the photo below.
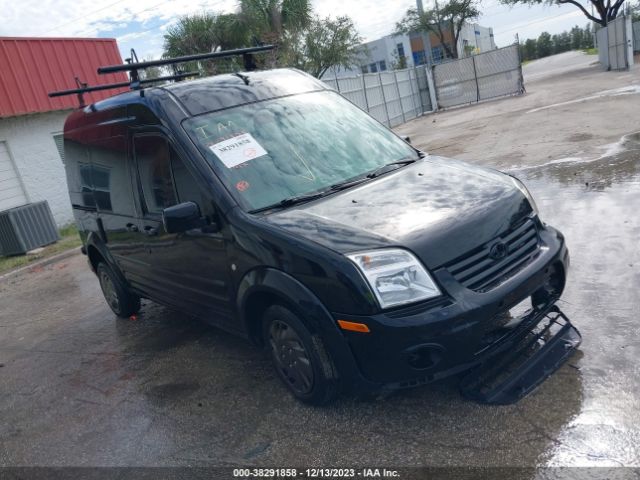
[132,66]
[84,88]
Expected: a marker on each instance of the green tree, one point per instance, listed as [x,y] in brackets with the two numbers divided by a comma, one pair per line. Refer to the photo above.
[328,43]
[202,33]
[399,61]
[277,22]
[587,38]
[577,38]
[529,49]
[635,11]
[544,45]
[445,20]
[555,44]
[562,42]
[604,10]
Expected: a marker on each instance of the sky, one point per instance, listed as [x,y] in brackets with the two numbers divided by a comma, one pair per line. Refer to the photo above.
[140,24]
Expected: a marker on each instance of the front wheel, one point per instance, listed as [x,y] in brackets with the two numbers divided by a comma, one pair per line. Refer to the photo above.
[121,301]
[299,357]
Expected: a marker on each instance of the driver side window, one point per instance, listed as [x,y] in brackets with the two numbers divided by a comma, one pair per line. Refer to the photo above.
[153,157]
[164,177]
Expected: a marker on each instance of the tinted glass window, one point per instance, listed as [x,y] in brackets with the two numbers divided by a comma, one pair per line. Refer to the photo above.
[109,175]
[291,146]
[186,186]
[86,185]
[153,156]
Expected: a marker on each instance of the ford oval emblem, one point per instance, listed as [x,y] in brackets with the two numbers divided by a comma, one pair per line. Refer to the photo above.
[498,250]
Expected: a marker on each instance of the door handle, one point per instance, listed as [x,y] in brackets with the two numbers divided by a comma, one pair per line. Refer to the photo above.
[149,230]
[131,227]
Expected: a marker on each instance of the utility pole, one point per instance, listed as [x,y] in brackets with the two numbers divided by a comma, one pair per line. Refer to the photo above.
[420,7]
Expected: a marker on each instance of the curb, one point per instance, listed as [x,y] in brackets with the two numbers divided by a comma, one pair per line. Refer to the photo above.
[41,263]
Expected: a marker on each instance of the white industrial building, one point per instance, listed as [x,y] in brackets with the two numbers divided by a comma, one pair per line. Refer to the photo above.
[419,48]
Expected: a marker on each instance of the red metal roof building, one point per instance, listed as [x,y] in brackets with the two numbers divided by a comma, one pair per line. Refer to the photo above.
[31,123]
[33,67]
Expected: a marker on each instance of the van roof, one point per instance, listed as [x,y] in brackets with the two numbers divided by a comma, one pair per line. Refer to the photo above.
[223,91]
[230,90]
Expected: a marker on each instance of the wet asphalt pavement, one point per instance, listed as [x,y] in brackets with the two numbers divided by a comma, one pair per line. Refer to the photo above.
[78,387]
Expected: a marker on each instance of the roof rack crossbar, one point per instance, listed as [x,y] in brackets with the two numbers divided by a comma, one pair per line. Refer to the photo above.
[110,86]
[245,52]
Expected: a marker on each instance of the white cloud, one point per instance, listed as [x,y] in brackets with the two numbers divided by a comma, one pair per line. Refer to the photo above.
[141,24]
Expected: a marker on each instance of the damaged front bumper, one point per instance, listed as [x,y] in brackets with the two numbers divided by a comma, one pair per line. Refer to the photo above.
[516,363]
[465,331]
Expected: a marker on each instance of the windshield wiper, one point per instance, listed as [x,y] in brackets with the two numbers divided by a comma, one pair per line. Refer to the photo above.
[348,184]
[384,168]
[289,201]
[379,171]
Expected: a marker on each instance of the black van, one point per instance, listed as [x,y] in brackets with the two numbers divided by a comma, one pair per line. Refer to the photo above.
[267,204]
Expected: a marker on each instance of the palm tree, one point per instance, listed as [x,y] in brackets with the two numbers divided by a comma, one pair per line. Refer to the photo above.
[205,32]
[278,22]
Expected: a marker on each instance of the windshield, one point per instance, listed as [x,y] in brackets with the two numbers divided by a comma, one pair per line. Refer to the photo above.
[287,147]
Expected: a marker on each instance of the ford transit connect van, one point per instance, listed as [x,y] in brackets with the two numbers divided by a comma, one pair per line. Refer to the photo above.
[265,203]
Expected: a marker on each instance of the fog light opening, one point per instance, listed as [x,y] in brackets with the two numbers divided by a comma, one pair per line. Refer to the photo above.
[551,288]
[426,356]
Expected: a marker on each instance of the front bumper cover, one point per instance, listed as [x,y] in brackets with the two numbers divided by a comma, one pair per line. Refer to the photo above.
[522,358]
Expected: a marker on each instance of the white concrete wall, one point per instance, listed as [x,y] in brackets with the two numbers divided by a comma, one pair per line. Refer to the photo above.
[477,36]
[30,139]
[381,49]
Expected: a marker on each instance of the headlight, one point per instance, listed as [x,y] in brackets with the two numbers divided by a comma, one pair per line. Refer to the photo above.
[395,276]
[520,186]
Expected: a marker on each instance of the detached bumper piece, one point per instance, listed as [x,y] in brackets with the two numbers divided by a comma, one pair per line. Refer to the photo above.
[522,358]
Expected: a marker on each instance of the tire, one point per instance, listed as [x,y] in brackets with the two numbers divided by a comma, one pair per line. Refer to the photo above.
[299,357]
[121,301]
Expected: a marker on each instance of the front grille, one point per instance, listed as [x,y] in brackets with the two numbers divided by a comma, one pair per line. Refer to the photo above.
[478,271]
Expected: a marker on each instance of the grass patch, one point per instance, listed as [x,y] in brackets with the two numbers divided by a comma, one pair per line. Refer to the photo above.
[69,238]
[590,51]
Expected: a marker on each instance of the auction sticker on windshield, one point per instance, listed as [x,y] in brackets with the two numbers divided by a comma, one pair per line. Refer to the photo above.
[237,150]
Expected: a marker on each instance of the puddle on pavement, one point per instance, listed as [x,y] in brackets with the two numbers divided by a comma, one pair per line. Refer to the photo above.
[616,92]
[595,202]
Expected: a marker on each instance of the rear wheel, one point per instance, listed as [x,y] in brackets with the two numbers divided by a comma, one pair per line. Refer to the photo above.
[121,301]
[299,357]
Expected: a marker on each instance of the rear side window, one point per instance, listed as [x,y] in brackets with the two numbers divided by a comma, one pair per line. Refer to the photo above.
[153,157]
[106,177]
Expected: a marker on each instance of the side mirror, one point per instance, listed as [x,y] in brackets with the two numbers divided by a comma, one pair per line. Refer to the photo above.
[182,217]
[407,139]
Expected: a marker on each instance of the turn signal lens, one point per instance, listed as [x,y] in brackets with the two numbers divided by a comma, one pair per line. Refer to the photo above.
[353,326]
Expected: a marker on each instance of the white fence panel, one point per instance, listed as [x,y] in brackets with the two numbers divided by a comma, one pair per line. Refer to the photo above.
[615,44]
[407,96]
[635,28]
[376,105]
[351,88]
[391,97]
[492,74]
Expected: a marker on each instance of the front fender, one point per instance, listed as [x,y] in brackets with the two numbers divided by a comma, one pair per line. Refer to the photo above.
[293,294]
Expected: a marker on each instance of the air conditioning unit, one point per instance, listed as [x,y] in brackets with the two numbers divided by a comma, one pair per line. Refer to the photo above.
[25,228]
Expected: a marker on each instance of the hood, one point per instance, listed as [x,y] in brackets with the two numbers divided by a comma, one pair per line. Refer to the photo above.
[437,207]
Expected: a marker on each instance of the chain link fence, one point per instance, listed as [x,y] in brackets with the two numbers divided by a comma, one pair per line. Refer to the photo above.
[397,96]
[492,74]
[391,97]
